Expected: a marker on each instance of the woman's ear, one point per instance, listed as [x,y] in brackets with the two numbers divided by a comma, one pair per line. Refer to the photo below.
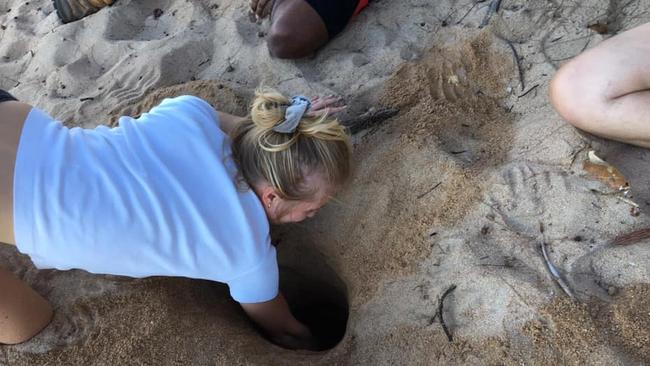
[268,195]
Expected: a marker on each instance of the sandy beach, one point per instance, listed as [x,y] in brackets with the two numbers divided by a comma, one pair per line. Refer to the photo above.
[462,187]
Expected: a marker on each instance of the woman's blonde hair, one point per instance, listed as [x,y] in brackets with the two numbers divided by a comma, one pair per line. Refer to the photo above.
[319,144]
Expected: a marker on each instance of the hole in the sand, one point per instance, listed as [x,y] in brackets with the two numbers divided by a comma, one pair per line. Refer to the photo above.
[318,302]
[317,297]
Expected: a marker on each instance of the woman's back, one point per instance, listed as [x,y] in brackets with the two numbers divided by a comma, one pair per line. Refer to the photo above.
[154,196]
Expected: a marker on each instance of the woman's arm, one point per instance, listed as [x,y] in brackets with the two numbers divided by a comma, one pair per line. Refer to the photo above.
[227,121]
[276,319]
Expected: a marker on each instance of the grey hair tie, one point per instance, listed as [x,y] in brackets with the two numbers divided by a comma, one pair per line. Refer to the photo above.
[292,116]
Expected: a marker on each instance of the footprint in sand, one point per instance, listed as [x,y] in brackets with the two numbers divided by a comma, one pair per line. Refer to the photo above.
[248,29]
[456,93]
[134,76]
[528,194]
[148,20]
[577,224]
[74,323]
[13,51]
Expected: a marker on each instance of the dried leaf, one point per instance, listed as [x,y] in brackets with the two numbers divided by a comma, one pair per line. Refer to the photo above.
[600,28]
[604,172]
[632,237]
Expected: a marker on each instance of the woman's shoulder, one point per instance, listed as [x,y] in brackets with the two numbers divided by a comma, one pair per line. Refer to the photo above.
[182,110]
[189,103]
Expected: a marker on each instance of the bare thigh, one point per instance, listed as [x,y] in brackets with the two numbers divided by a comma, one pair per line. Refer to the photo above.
[23,312]
[13,115]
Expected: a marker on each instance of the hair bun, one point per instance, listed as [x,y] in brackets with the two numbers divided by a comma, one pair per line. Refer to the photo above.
[268,108]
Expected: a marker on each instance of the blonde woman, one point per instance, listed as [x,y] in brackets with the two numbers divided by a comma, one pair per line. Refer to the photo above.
[182,190]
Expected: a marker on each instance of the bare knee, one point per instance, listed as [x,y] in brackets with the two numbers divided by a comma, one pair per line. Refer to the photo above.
[22,330]
[563,95]
[576,97]
[280,43]
[287,45]
[287,42]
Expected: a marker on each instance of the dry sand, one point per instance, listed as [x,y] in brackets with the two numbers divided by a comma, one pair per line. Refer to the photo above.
[452,190]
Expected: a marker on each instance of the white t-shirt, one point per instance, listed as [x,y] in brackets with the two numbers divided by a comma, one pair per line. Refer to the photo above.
[155,196]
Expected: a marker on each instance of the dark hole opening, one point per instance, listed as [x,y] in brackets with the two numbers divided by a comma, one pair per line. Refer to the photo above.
[318,302]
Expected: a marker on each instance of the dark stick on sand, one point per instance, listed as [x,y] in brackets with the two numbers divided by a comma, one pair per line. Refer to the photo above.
[430,190]
[520,71]
[370,118]
[466,14]
[440,309]
[555,274]
[494,7]
[528,91]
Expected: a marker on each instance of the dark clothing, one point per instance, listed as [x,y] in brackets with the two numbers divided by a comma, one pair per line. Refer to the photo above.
[335,13]
[4,96]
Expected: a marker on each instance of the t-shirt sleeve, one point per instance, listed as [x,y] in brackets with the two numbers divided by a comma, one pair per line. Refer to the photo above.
[188,107]
[259,284]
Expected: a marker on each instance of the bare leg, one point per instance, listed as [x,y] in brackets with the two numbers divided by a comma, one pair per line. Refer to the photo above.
[12,118]
[71,10]
[606,90]
[296,30]
[23,312]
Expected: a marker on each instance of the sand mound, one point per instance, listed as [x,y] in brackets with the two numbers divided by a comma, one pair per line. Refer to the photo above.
[219,95]
[571,331]
[450,191]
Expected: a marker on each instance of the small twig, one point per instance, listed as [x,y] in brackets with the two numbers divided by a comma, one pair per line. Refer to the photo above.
[370,118]
[505,265]
[552,269]
[575,155]
[430,190]
[612,193]
[520,70]
[440,309]
[585,46]
[528,91]
[445,22]
[494,8]
[466,14]
[625,200]
[521,298]
[556,274]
